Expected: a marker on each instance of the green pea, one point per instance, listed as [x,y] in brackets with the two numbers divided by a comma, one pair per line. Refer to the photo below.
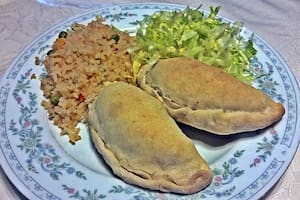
[54,100]
[115,37]
[63,34]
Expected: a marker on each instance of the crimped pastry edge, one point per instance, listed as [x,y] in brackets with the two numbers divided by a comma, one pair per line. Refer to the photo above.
[162,185]
[212,120]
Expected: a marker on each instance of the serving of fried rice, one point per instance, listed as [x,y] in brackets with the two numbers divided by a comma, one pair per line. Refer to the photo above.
[81,61]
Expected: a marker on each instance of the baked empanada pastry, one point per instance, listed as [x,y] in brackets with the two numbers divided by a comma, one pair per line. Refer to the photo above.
[207,98]
[142,144]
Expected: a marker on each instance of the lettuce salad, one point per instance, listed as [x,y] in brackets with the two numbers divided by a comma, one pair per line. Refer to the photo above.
[191,33]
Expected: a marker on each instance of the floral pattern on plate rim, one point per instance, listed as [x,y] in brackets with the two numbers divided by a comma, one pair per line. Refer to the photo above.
[30,131]
[271,169]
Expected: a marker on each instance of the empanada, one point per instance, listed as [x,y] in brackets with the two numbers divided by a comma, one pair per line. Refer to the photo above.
[142,144]
[207,98]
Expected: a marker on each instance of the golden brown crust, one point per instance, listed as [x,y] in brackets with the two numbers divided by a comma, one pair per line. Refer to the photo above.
[143,144]
[207,98]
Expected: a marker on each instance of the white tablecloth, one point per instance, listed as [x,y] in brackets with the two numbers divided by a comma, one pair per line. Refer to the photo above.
[276,21]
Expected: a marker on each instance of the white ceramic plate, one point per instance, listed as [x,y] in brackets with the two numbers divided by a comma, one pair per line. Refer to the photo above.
[43,165]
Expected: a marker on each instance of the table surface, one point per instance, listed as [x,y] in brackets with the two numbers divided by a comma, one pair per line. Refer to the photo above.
[23,20]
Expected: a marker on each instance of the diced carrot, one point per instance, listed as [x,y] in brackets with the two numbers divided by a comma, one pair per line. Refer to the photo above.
[81,98]
[59,43]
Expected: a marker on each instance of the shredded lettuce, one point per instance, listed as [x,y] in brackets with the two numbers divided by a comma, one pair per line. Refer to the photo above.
[191,33]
